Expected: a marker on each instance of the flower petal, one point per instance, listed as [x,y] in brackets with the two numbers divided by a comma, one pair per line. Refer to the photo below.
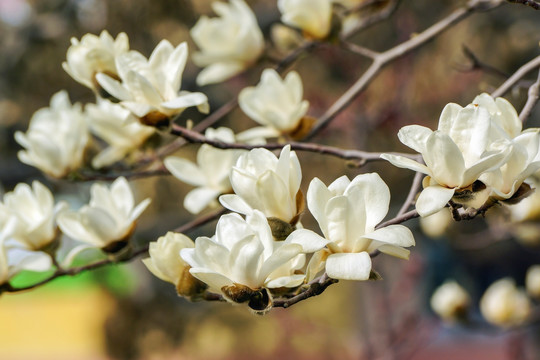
[349,266]
[432,199]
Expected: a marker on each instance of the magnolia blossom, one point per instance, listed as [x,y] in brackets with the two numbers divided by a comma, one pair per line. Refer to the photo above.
[532,281]
[211,173]
[450,301]
[117,127]
[347,213]
[435,225]
[56,137]
[108,219]
[150,88]
[504,305]
[229,43]
[35,212]
[92,55]
[12,260]
[314,17]
[456,155]
[165,263]
[241,257]
[262,181]
[275,103]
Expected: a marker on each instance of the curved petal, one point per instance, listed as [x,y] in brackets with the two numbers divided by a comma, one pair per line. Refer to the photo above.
[349,266]
[198,199]
[432,199]
[309,240]
[235,203]
[415,137]
[185,170]
[406,163]
[444,159]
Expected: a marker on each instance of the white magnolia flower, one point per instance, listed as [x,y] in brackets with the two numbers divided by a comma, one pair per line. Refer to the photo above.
[314,17]
[532,281]
[456,155]
[117,127]
[56,137]
[211,173]
[229,43]
[108,219]
[92,55]
[504,305]
[275,103]
[150,88]
[450,301]
[13,260]
[242,256]
[347,213]
[262,181]
[435,225]
[36,214]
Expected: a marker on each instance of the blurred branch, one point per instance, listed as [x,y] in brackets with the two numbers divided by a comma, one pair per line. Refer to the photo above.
[385,58]
[112,259]
[415,186]
[518,75]
[477,64]
[362,156]
[373,19]
[532,100]
[532,3]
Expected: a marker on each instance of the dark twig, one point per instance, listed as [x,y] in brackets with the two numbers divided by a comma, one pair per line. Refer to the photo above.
[314,289]
[532,3]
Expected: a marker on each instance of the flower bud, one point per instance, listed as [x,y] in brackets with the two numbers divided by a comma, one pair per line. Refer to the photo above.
[504,305]
[450,301]
[532,281]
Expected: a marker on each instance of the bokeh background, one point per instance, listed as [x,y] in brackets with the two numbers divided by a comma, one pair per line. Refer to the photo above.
[122,312]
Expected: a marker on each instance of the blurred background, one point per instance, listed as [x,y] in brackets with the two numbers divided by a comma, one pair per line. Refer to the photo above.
[123,312]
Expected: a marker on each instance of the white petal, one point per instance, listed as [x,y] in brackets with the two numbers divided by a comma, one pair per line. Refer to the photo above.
[432,199]
[349,266]
[415,137]
[235,203]
[309,240]
[406,163]
[198,199]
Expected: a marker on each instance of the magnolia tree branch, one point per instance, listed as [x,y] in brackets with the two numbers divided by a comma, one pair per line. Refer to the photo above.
[126,257]
[380,60]
[532,3]
[415,186]
[517,76]
[532,100]
[362,156]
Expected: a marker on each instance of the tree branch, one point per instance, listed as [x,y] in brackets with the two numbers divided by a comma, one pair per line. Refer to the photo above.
[518,75]
[532,100]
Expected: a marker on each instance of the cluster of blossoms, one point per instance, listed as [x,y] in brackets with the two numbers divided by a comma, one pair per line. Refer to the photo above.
[477,157]
[32,225]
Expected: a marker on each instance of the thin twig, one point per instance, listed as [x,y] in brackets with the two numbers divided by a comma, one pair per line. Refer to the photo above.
[532,3]
[518,75]
[384,58]
[373,19]
[415,186]
[532,99]
[314,289]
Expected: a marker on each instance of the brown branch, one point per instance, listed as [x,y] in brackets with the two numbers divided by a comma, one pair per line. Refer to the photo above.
[517,76]
[373,19]
[415,186]
[532,3]
[532,100]
[362,156]
[383,59]
[187,227]
[477,64]
[316,288]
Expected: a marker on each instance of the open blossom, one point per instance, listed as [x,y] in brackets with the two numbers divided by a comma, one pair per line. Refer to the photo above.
[262,181]
[92,55]
[456,155]
[240,258]
[524,155]
[165,263]
[347,213]
[314,17]
[210,174]
[108,219]
[56,138]
[150,88]
[35,211]
[450,301]
[504,305]
[117,127]
[228,44]
[275,103]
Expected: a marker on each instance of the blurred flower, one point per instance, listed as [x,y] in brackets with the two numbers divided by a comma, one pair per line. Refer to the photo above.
[92,55]
[435,225]
[347,213]
[262,181]
[284,38]
[456,155]
[532,281]
[275,103]
[450,301]
[150,88]
[239,259]
[117,127]
[314,17]
[210,174]
[36,214]
[165,263]
[13,260]
[108,220]
[56,137]
[504,305]
[229,43]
